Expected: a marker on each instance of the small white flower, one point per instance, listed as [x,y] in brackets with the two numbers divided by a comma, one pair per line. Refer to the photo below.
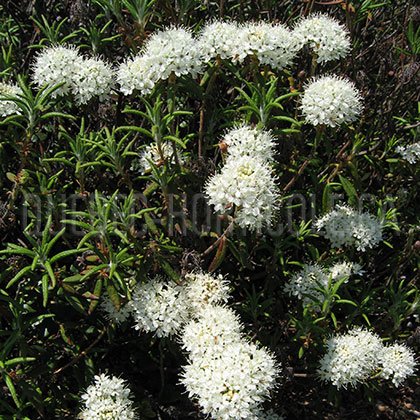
[346,227]
[325,36]
[172,50]
[54,65]
[8,107]
[411,152]
[247,183]
[397,362]
[159,306]
[244,140]
[231,384]
[134,74]
[213,328]
[114,315]
[92,78]
[272,44]
[330,100]
[151,154]
[107,399]
[218,39]
[350,358]
[203,289]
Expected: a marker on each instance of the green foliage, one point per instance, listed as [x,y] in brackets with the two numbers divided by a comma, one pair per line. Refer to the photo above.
[79,219]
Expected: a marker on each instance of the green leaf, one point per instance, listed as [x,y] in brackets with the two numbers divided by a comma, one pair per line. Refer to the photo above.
[176,140]
[220,255]
[349,189]
[97,292]
[301,351]
[17,360]
[44,283]
[334,319]
[20,274]
[12,388]
[113,294]
[65,254]
[167,268]
[50,272]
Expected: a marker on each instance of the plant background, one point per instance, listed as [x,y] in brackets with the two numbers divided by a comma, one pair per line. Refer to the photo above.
[54,338]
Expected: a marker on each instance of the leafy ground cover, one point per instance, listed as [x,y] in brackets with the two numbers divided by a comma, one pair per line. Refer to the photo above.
[101,190]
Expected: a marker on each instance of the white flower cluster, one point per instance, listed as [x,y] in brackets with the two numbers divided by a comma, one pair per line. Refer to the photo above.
[350,358]
[107,399]
[83,77]
[8,107]
[308,283]
[134,74]
[164,307]
[55,65]
[203,289]
[272,44]
[356,356]
[231,384]
[218,39]
[93,78]
[173,50]
[151,154]
[397,362]
[244,140]
[159,306]
[246,181]
[331,101]
[115,315]
[411,152]
[229,376]
[345,226]
[212,328]
[325,36]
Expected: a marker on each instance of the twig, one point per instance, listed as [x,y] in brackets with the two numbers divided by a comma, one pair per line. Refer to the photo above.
[211,247]
[83,353]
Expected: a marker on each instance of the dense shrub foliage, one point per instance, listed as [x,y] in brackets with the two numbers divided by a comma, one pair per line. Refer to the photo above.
[209,209]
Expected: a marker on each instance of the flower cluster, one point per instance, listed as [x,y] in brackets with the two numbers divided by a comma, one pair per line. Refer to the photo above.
[151,154]
[229,376]
[327,38]
[212,328]
[246,141]
[248,184]
[346,227]
[108,398]
[203,289]
[356,356]
[85,78]
[114,314]
[165,307]
[231,384]
[56,65]
[397,362]
[159,306]
[93,77]
[350,358]
[309,283]
[246,181]
[134,74]
[272,44]
[411,152]
[166,52]
[8,107]
[331,101]
[218,39]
